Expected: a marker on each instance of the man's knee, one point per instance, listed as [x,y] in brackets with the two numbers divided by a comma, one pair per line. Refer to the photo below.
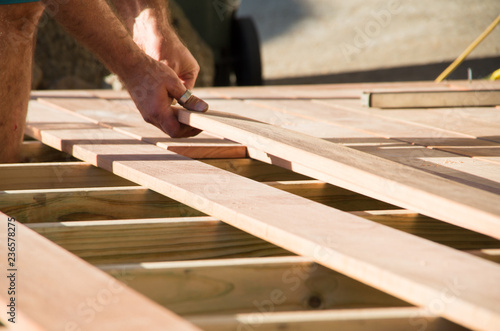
[20,18]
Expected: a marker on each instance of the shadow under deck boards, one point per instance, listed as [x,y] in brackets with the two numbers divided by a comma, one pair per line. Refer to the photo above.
[296,209]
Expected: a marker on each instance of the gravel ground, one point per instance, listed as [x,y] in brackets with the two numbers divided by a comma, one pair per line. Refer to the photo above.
[318,37]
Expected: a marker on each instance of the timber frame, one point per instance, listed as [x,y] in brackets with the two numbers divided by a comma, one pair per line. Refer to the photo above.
[297,208]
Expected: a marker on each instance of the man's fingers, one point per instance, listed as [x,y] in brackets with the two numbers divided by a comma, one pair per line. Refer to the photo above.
[189,79]
[196,104]
[177,90]
[175,87]
[173,127]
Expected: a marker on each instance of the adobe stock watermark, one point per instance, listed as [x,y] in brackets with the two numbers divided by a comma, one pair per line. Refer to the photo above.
[365,36]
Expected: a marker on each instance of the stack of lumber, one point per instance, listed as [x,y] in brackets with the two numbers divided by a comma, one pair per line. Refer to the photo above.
[297,208]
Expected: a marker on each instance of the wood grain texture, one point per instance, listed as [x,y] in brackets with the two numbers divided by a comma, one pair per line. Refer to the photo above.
[59,205]
[56,175]
[154,240]
[370,175]
[248,285]
[372,253]
[81,297]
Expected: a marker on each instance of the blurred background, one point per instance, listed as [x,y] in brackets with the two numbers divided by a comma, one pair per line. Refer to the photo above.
[253,42]
[321,41]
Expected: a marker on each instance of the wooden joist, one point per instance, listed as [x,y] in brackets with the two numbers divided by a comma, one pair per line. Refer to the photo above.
[35,151]
[149,240]
[247,284]
[90,204]
[29,176]
[376,319]
[359,248]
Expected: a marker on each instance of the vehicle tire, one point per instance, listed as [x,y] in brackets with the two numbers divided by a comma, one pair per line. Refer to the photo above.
[245,48]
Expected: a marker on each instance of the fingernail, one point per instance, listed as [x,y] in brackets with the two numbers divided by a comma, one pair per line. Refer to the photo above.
[196,104]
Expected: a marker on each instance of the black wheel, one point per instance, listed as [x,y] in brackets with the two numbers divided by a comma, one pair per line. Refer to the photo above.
[245,48]
[223,72]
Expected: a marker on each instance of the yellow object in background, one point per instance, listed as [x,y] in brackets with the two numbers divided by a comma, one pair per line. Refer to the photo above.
[495,75]
[469,49]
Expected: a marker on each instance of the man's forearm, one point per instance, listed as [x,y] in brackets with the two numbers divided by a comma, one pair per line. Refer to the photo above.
[151,83]
[136,12]
[95,24]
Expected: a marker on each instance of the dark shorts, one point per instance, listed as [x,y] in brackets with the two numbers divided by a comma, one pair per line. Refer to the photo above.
[9,2]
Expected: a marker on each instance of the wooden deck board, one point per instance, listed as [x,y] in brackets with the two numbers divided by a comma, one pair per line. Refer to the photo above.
[125,118]
[353,130]
[348,247]
[288,208]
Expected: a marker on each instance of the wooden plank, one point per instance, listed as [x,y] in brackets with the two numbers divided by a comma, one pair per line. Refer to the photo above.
[464,169]
[56,205]
[453,130]
[343,126]
[413,269]
[153,240]
[430,99]
[269,111]
[376,319]
[477,122]
[125,118]
[247,285]
[351,115]
[474,173]
[373,176]
[404,220]
[330,91]
[51,296]
[56,175]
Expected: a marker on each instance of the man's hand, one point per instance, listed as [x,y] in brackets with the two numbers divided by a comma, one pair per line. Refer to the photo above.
[153,85]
